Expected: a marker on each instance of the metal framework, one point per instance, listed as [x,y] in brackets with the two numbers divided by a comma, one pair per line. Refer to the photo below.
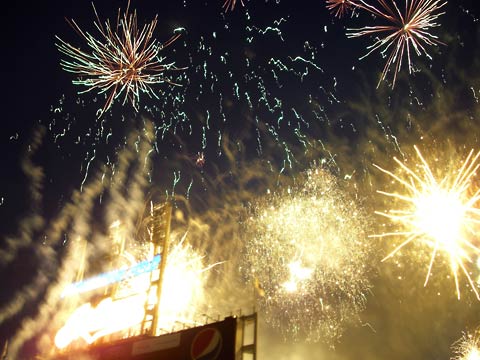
[159,228]
[247,346]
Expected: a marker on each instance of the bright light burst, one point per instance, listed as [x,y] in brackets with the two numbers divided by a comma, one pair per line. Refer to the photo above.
[438,212]
[124,59]
[406,30]
[467,348]
[181,298]
[183,288]
[340,7]
[90,322]
[307,255]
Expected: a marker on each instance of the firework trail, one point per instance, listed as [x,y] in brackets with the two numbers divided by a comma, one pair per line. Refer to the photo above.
[308,258]
[340,7]
[34,222]
[125,59]
[230,4]
[57,262]
[407,31]
[440,212]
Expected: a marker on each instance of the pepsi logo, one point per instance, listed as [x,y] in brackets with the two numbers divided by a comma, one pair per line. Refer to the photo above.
[206,345]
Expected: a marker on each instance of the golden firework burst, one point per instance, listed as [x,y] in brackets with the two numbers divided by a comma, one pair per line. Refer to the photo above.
[439,212]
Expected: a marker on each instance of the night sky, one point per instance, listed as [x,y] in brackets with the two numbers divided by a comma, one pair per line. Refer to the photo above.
[265,92]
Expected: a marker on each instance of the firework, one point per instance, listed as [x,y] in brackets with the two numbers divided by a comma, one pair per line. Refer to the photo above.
[340,7]
[406,30]
[230,4]
[93,322]
[440,213]
[123,60]
[182,297]
[307,255]
[467,348]
[183,288]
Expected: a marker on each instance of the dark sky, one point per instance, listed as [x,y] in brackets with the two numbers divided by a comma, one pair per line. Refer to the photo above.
[282,85]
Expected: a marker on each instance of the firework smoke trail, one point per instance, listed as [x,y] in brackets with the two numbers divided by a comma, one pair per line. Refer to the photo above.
[308,257]
[124,59]
[408,30]
[440,212]
[467,347]
[34,222]
[56,265]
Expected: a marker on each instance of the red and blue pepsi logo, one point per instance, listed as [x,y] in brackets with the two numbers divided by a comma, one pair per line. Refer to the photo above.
[206,345]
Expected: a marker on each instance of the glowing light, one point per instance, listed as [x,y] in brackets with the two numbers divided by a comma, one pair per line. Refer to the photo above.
[91,322]
[112,277]
[467,348]
[123,60]
[406,31]
[307,254]
[298,274]
[182,294]
[183,286]
[438,212]
[473,354]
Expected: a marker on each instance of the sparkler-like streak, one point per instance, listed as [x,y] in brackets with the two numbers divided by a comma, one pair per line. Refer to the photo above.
[406,30]
[438,212]
[340,7]
[124,59]
[230,4]
[307,255]
[467,347]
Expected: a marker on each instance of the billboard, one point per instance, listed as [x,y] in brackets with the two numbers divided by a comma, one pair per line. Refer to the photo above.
[209,342]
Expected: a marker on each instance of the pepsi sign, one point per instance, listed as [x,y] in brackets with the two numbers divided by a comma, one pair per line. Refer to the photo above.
[214,341]
[206,345]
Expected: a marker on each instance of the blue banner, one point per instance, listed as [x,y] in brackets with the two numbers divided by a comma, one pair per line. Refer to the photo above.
[112,277]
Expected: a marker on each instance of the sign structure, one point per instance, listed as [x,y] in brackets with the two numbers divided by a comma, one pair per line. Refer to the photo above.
[112,277]
[214,341]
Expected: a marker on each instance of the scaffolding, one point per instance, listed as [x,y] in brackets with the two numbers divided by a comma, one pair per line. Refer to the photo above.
[159,230]
[246,347]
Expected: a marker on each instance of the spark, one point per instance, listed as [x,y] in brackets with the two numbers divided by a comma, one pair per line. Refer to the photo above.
[306,254]
[406,31]
[124,59]
[230,4]
[440,213]
[90,322]
[298,274]
[182,295]
[467,348]
[184,285]
[340,7]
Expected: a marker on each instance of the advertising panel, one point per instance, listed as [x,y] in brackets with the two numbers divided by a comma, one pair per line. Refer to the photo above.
[209,342]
